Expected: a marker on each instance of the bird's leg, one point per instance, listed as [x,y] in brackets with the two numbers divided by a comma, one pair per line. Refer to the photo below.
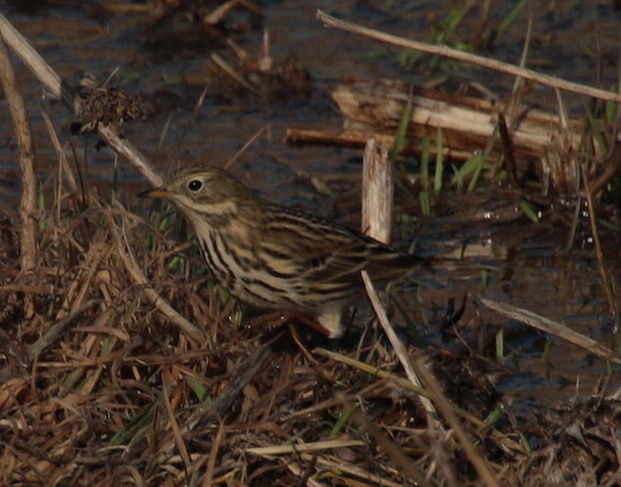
[273,317]
[321,372]
[288,318]
[306,321]
[283,317]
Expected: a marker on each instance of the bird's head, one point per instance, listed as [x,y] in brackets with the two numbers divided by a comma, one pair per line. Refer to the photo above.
[206,191]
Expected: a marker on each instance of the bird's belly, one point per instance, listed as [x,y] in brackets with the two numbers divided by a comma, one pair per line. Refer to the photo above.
[259,287]
[254,287]
[292,294]
[272,293]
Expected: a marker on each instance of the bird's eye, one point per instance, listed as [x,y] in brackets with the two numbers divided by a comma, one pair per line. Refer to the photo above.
[195,185]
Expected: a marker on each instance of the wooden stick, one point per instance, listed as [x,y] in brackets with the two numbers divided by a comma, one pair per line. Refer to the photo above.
[399,347]
[359,138]
[543,79]
[23,134]
[553,328]
[377,192]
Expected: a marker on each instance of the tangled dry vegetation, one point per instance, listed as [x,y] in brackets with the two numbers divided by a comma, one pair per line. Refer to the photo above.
[121,364]
[100,385]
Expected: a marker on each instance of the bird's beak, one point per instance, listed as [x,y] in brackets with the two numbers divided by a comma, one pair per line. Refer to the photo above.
[156,193]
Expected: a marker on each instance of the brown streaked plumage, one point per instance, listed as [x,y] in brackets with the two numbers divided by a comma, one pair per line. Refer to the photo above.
[274,257]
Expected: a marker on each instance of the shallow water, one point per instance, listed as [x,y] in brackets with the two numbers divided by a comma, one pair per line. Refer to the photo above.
[527,264]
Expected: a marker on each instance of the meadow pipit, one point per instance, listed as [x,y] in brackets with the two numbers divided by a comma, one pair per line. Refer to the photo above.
[273,257]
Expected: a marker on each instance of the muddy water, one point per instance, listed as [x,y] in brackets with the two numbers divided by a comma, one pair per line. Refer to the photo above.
[524,264]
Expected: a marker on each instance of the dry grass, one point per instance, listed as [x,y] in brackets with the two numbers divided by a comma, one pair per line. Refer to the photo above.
[121,365]
[99,387]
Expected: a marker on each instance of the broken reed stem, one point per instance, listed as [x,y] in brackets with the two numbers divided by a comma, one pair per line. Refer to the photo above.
[419,374]
[377,192]
[23,135]
[553,328]
[398,346]
[445,51]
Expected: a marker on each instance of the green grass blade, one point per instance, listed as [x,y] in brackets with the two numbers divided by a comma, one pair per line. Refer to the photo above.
[478,168]
[425,203]
[402,130]
[437,178]
[424,162]
[473,166]
[500,344]
[506,22]
[529,211]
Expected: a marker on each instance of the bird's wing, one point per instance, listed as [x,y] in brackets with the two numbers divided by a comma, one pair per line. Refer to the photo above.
[380,261]
[324,251]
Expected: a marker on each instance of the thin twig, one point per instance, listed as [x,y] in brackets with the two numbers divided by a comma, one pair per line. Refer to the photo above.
[243,148]
[79,289]
[56,331]
[339,465]
[289,448]
[187,327]
[553,328]
[402,461]
[445,407]
[508,444]
[440,50]
[167,381]
[397,345]
[61,90]
[601,265]
[23,134]
[225,400]
[213,455]
[413,373]
[64,171]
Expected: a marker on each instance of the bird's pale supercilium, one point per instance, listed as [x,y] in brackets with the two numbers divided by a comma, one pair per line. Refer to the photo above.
[273,257]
